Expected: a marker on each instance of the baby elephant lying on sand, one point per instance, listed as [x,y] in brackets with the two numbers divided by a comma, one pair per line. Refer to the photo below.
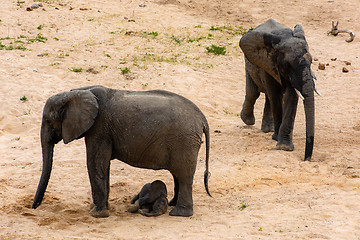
[151,200]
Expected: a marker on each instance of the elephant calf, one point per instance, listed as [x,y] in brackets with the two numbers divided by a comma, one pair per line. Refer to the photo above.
[151,200]
[278,63]
[146,129]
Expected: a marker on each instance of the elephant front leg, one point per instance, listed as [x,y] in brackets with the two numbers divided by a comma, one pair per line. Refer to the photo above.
[98,164]
[173,201]
[289,112]
[252,94]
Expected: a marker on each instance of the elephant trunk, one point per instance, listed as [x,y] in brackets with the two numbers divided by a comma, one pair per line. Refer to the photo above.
[309,107]
[47,154]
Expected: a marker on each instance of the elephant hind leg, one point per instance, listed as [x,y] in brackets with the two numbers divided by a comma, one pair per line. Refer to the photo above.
[184,206]
[184,202]
[267,124]
[183,172]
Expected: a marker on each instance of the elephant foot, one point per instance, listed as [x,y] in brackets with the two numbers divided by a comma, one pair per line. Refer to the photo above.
[181,211]
[285,147]
[99,214]
[267,127]
[248,119]
[133,209]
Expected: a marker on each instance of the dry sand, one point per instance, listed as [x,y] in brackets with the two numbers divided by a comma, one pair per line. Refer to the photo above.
[259,192]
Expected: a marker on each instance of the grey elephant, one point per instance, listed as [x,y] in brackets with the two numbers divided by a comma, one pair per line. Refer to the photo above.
[147,129]
[278,63]
[151,200]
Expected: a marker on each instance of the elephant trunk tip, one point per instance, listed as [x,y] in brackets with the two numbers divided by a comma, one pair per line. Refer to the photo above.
[35,205]
[37,201]
[309,148]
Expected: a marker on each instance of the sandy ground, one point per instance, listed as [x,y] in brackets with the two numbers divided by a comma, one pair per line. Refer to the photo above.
[259,192]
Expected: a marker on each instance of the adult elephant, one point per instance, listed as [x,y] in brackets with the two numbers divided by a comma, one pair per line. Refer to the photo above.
[278,63]
[148,129]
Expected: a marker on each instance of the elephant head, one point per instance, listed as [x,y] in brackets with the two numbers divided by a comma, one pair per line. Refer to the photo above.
[283,53]
[66,116]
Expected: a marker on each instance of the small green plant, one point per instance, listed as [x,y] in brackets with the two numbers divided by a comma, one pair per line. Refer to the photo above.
[229,29]
[17,138]
[260,229]
[38,38]
[12,47]
[216,50]
[198,26]
[55,64]
[190,40]
[41,26]
[243,205]
[23,99]
[145,84]
[115,32]
[108,55]
[227,111]
[177,40]
[212,28]
[6,38]
[76,69]
[27,112]
[280,231]
[20,2]
[62,55]
[91,19]
[153,34]
[125,70]
[56,39]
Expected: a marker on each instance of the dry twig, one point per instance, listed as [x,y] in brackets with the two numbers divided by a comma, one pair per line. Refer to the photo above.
[335,31]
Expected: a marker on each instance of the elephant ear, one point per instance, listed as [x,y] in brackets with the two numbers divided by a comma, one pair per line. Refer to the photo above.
[259,49]
[79,114]
[299,32]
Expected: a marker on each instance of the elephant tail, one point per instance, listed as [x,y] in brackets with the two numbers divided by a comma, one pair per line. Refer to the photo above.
[207,174]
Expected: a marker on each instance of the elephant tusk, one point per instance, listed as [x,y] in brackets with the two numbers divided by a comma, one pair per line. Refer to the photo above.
[313,76]
[299,94]
[318,93]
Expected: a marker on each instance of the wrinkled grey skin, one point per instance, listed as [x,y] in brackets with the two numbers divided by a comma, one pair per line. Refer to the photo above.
[146,129]
[277,61]
[151,200]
